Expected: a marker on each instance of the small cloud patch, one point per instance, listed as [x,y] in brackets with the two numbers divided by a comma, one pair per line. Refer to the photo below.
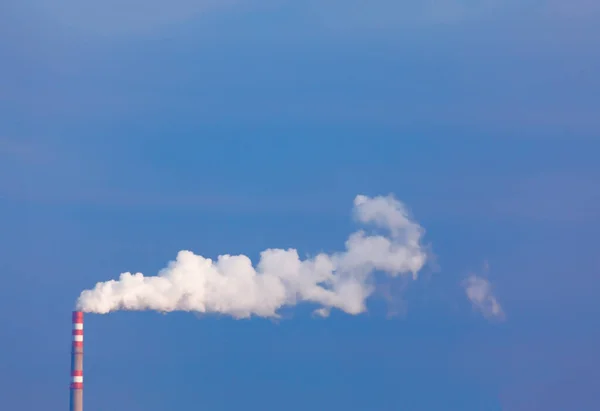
[479,292]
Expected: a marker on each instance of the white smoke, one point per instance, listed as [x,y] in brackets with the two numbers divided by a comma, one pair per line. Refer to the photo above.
[479,292]
[230,284]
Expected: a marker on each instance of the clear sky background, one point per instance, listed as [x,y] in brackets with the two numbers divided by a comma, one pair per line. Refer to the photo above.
[131,129]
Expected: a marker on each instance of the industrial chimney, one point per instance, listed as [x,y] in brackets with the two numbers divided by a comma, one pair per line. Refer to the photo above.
[77,363]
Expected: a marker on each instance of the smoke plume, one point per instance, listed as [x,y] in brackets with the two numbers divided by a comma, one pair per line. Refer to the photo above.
[231,285]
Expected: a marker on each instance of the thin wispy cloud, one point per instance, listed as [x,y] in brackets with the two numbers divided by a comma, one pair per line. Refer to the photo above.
[480,293]
[579,9]
[118,18]
[390,14]
[137,17]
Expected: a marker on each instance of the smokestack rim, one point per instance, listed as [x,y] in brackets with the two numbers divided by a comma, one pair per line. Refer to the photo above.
[77,316]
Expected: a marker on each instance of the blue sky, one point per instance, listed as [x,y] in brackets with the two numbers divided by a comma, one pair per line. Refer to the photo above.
[132,130]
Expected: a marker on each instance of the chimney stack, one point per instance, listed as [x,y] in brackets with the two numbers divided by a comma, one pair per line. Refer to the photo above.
[77,363]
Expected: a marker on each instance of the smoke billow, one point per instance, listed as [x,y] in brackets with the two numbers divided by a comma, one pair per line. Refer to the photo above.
[231,285]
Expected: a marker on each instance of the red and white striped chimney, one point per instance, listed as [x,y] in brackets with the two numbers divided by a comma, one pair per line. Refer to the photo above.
[77,363]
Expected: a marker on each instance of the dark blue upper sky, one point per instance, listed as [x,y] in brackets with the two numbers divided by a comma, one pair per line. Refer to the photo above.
[130,130]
